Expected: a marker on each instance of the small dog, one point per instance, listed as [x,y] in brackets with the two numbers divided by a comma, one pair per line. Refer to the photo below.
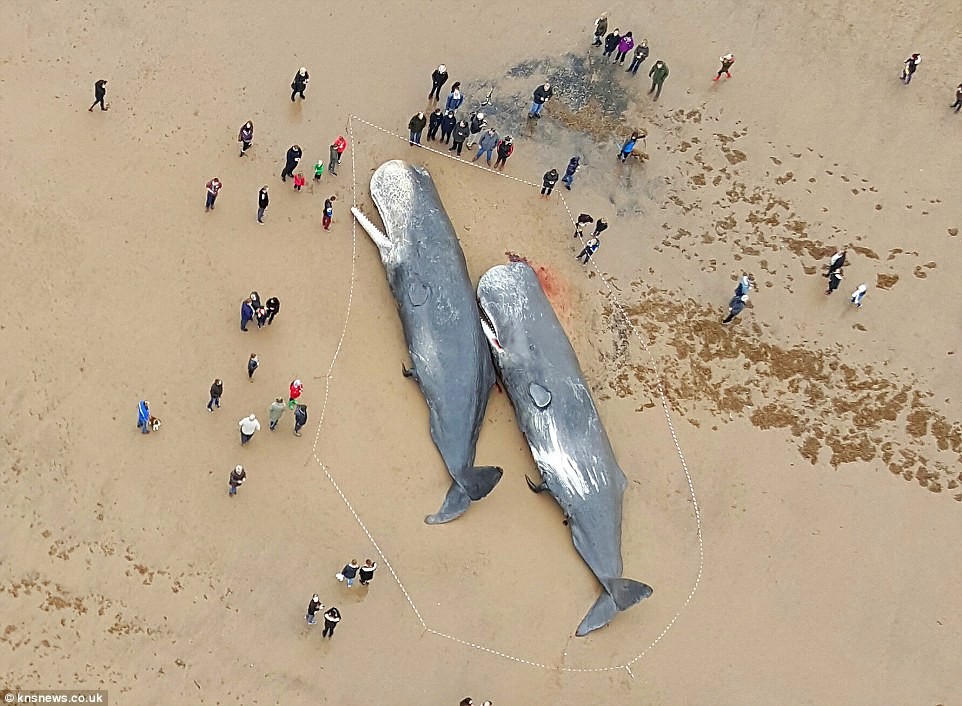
[154,423]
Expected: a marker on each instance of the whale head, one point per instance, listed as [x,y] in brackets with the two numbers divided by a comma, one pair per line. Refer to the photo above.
[502,304]
[395,188]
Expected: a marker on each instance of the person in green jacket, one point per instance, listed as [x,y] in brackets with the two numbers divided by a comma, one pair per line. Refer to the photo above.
[416,125]
[276,411]
[658,73]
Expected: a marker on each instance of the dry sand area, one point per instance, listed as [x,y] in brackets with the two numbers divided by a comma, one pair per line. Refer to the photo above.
[823,442]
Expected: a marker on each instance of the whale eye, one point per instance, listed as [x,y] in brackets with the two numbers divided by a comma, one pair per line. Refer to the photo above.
[540,395]
[418,293]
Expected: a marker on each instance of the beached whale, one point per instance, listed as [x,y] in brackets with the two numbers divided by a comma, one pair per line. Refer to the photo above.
[436,301]
[557,415]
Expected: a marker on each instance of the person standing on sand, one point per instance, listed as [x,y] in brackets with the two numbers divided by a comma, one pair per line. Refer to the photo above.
[487,145]
[438,79]
[658,74]
[834,280]
[466,701]
[246,313]
[505,150]
[600,227]
[836,263]
[216,390]
[641,53]
[601,26]
[349,572]
[300,418]
[261,316]
[252,365]
[328,212]
[588,250]
[312,608]
[477,124]
[448,121]
[237,478]
[629,146]
[143,416]
[726,65]
[858,295]
[542,94]
[735,307]
[626,44]
[570,170]
[301,79]
[100,93]
[255,300]
[461,132]
[248,427]
[297,387]
[549,179]
[318,169]
[299,181]
[331,618]
[958,98]
[911,65]
[246,137]
[337,149]
[293,157]
[366,573]
[416,126]
[263,200]
[434,124]
[611,43]
[276,411]
[455,97]
[583,220]
[213,188]
[273,306]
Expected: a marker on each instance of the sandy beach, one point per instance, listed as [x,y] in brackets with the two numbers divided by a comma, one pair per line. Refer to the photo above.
[795,477]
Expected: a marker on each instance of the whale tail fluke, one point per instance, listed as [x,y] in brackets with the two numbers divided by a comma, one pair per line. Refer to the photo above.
[619,594]
[476,483]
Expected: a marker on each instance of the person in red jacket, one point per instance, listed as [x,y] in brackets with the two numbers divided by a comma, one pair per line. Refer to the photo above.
[296,389]
[504,148]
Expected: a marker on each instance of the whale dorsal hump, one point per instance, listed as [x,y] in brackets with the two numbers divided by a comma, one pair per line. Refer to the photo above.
[540,395]
[418,293]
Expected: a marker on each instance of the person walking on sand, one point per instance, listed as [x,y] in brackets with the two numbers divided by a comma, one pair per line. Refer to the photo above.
[834,280]
[588,250]
[658,74]
[583,220]
[255,300]
[100,93]
[297,387]
[143,416]
[246,137]
[461,132]
[276,411]
[236,480]
[735,307]
[641,53]
[448,121]
[246,313]
[300,418]
[312,608]
[349,572]
[570,170]
[273,306]
[216,390]
[958,98]
[331,618]
[337,151]
[438,79]
[455,98]
[629,146]
[416,126]
[911,65]
[318,169]
[487,145]
[434,124]
[293,157]
[328,212]
[252,364]
[858,295]
[600,227]
[366,572]
[248,427]
[542,94]
[601,26]
[299,181]
[477,124]
[611,43]
[836,263]
[261,316]
[549,179]
[263,200]
[626,44]
[213,188]
[301,79]
[726,65]
[505,150]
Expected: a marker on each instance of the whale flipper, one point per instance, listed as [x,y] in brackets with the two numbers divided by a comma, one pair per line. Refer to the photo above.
[619,594]
[477,483]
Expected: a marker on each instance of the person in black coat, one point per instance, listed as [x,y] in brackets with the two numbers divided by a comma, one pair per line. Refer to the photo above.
[416,126]
[263,201]
[301,79]
[293,157]
[448,121]
[100,92]
[611,42]
[331,618]
[438,79]
[434,123]
[550,179]
[300,418]
[461,132]
[273,305]
[216,390]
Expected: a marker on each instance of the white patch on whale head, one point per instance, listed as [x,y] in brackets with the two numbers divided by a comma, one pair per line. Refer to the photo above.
[393,190]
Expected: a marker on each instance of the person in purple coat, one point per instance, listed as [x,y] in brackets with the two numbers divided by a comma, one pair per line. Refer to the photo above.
[624,46]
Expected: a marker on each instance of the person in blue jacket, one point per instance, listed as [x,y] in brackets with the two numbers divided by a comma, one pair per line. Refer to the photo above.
[455,97]
[143,416]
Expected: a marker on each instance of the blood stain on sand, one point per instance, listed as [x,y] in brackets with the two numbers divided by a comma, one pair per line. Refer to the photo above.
[553,286]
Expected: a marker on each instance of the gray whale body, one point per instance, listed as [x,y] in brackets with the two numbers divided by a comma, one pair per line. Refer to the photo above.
[436,301]
[557,415]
